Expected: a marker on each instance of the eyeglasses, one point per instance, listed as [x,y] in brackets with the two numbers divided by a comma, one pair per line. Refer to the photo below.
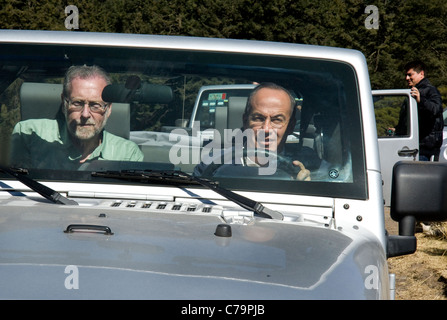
[78,105]
[276,122]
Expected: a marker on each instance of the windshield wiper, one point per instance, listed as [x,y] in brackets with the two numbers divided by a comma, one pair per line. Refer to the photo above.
[158,176]
[41,189]
[179,177]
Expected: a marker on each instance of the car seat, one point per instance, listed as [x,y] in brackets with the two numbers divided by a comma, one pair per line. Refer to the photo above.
[230,117]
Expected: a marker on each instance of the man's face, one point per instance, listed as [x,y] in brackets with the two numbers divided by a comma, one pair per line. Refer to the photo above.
[413,77]
[85,124]
[269,117]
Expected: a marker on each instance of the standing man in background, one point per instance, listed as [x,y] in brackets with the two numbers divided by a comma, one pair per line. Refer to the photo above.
[429,102]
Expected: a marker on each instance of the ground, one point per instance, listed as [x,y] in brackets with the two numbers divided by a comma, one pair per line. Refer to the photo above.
[422,275]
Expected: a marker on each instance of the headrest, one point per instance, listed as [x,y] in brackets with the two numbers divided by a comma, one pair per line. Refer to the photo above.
[39,100]
[236,108]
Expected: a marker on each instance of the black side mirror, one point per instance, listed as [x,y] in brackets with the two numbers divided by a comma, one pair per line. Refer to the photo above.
[418,193]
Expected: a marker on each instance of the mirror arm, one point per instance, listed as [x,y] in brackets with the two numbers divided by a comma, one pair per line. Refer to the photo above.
[407,226]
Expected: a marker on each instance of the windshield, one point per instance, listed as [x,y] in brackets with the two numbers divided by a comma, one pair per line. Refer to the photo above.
[147,109]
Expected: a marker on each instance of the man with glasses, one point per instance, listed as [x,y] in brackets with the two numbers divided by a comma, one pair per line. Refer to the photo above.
[77,136]
[270,117]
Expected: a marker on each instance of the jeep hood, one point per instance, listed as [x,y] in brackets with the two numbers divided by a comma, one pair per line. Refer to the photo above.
[170,256]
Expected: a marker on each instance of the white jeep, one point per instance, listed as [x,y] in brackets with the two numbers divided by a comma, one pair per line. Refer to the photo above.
[152,229]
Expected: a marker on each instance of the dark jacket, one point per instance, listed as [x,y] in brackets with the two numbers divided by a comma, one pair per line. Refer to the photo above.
[431,122]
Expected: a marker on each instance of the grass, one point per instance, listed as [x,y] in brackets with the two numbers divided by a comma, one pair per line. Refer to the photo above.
[422,275]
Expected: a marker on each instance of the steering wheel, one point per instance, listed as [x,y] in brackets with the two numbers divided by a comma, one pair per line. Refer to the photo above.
[284,164]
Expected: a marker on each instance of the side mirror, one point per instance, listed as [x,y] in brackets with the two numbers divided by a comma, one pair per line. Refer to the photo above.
[418,193]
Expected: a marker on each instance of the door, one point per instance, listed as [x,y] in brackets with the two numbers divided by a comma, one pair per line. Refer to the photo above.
[397,131]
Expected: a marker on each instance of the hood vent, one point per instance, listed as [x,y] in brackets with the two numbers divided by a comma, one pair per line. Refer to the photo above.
[163,206]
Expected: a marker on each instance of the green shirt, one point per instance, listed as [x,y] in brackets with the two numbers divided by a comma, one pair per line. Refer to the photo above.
[45,143]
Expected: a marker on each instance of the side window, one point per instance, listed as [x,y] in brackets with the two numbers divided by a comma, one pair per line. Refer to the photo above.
[207,108]
[392,115]
[222,107]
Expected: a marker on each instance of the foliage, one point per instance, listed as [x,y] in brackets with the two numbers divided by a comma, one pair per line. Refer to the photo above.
[386,118]
[408,29]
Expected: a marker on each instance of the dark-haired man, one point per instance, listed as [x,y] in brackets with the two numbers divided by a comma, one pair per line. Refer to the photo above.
[269,117]
[429,102]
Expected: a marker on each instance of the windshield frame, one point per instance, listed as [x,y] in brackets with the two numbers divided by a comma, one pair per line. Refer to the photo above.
[208,60]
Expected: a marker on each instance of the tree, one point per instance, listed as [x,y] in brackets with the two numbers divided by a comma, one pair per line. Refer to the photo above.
[408,29]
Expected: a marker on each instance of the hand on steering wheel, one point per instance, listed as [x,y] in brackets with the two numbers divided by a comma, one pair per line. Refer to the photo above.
[285,164]
[303,174]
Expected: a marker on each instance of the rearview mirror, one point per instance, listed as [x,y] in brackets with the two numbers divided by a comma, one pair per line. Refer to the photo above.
[142,93]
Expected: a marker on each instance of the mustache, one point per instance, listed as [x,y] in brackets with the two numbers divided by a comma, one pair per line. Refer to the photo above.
[83,123]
